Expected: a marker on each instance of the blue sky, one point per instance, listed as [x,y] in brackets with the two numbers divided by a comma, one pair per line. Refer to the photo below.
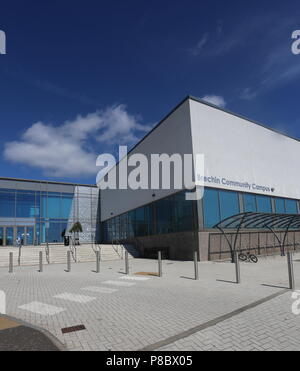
[79,78]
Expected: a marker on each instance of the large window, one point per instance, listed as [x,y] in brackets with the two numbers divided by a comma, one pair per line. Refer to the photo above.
[141,222]
[229,204]
[219,205]
[279,205]
[66,206]
[291,207]
[184,213]
[264,204]
[250,203]
[211,207]
[164,216]
[51,205]
[7,203]
[26,206]
[168,215]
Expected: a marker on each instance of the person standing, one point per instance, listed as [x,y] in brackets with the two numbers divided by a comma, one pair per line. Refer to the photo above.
[19,241]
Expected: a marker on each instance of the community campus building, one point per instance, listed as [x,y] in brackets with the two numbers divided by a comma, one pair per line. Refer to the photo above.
[248,168]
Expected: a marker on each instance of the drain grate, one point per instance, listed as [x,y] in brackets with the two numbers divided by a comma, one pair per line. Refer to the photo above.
[67,330]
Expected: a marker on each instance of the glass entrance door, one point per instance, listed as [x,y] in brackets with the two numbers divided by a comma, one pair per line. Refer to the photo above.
[1,236]
[29,236]
[9,236]
[21,234]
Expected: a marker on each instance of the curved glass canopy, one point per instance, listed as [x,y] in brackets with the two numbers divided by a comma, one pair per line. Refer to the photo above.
[252,220]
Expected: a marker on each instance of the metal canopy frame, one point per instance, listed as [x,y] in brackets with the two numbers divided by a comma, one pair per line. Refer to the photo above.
[274,223]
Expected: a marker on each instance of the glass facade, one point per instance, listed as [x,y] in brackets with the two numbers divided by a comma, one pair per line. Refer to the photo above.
[169,215]
[229,204]
[250,205]
[38,216]
[175,214]
[264,204]
[219,205]
[211,208]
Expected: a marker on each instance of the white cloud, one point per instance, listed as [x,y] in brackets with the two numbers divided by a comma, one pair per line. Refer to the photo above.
[120,126]
[274,74]
[67,150]
[215,99]
[249,94]
[200,45]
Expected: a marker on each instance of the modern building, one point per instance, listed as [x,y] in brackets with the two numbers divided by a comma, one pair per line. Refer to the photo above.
[42,211]
[248,168]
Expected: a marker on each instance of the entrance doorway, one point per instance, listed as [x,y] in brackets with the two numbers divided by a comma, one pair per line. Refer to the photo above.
[9,234]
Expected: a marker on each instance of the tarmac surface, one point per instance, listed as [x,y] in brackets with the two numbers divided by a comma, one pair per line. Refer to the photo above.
[15,335]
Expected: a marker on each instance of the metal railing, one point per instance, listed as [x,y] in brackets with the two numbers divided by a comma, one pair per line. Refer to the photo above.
[73,249]
[117,247]
[47,251]
[257,242]
[95,246]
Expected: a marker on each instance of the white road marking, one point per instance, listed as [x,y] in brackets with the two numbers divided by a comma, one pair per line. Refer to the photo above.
[102,290]
[42,308]
[133,278]
[118,283]
[73,297]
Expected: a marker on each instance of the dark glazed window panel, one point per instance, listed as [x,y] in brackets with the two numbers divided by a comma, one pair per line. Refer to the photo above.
[25,205]
[123,226]
[184,217]
[149,218]
[7,204]
[54,232]
[1,236]
[131,223]
[173,214]
[164,215]
[250,203]
[10,236]
[264,204]
[141,221]
[229,204]
[211,208]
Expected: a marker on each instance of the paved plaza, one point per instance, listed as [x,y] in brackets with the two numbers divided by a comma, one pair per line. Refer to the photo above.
[175,312]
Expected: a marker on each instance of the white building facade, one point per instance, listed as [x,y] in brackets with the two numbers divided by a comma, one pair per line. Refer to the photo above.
[248,168]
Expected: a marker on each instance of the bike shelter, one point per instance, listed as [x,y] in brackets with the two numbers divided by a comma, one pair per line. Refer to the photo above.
[279,224]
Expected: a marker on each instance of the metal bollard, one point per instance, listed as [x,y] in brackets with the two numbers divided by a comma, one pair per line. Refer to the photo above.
[126,262]
[291,270]
[196,266]
[237,267]
[41,261]
[97,261]
[69,261]
[11,262]
[159,264]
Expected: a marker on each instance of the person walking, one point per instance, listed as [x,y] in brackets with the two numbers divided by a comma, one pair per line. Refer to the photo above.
[19,241]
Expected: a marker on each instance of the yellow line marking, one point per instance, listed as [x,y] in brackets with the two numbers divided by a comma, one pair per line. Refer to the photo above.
[7,323]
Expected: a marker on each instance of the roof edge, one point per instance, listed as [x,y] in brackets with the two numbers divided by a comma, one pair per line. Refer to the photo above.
[47,182]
